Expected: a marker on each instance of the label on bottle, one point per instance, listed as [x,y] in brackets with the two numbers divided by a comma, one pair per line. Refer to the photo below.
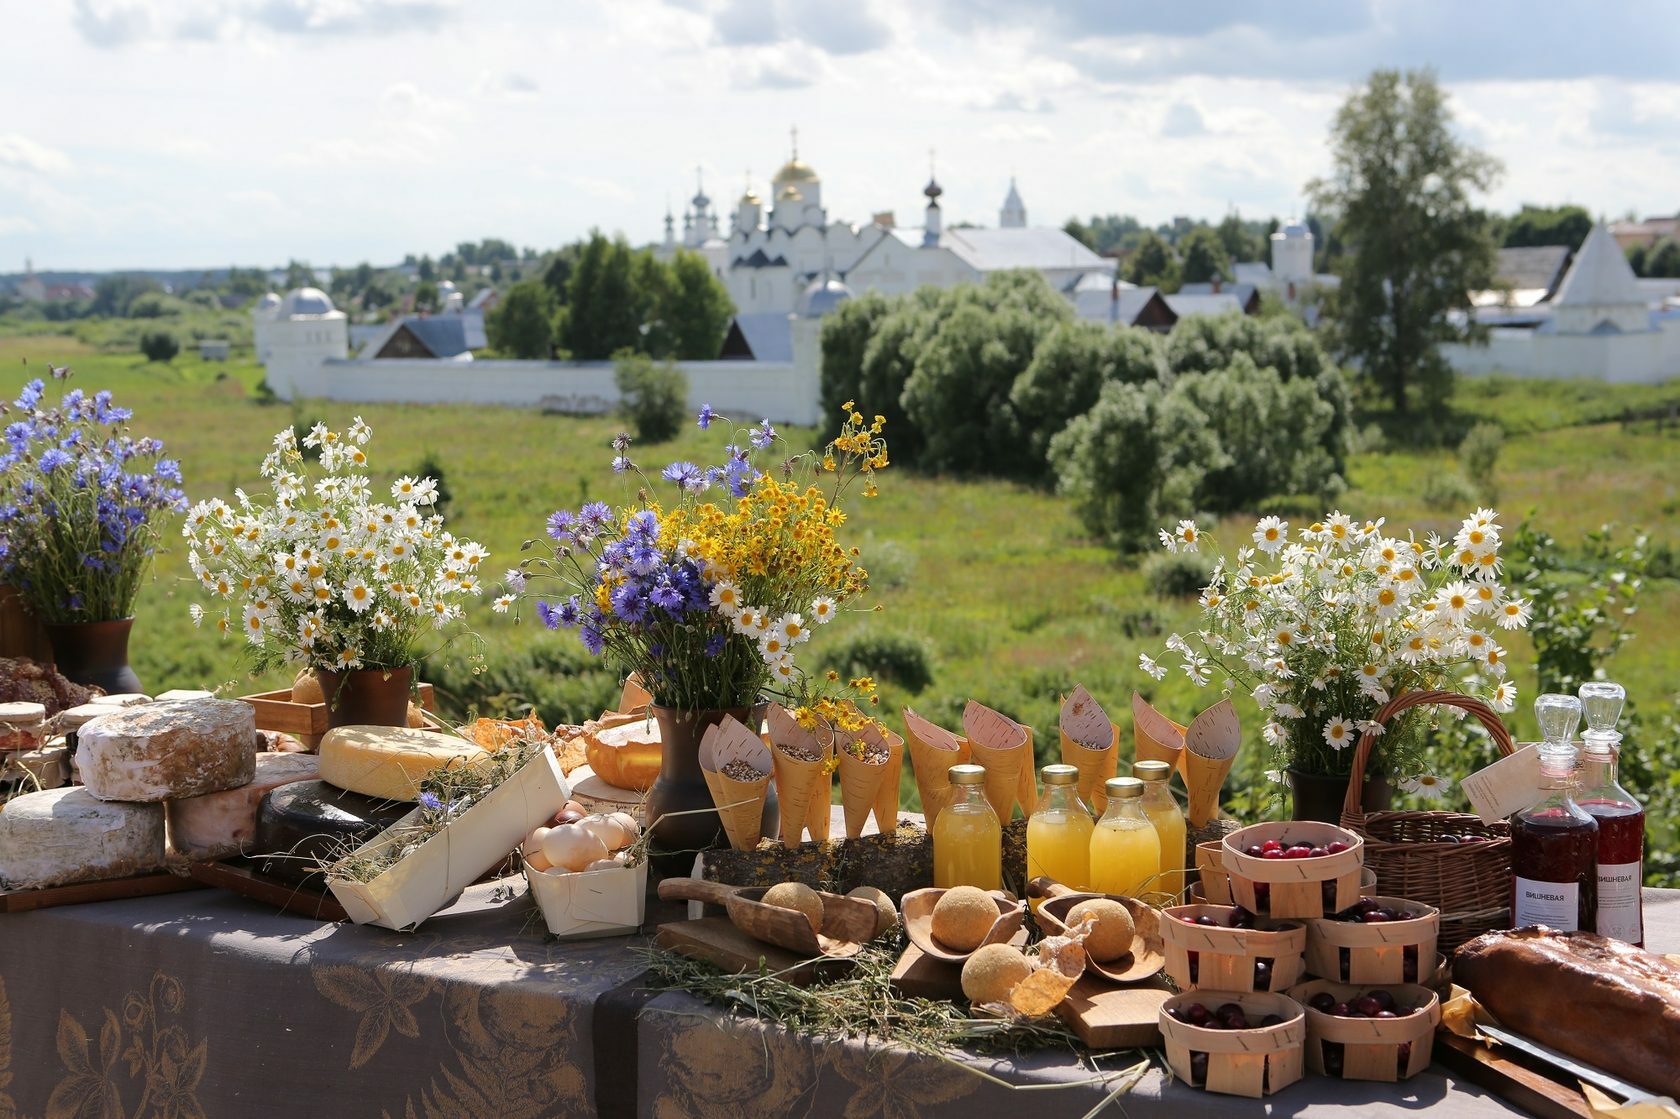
[1619,913]
[1506,787]
[1556,905]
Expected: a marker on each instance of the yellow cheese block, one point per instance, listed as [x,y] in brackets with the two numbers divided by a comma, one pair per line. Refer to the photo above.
[390,762]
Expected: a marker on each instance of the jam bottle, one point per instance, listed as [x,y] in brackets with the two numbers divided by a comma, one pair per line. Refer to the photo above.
[1554,845]
[1621,818]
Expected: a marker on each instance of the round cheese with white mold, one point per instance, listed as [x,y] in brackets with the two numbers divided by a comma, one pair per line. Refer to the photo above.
[168,751]
[59,836]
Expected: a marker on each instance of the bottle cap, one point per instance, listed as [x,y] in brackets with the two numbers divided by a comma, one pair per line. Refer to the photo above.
[1120,788]
[1060,774]
[1558,716]
[966,775]
[1151,770]
[1601,703]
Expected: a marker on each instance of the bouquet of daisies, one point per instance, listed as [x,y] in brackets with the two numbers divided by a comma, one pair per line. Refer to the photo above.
[79,498]
[710,593]
[1325,628]
[328,574]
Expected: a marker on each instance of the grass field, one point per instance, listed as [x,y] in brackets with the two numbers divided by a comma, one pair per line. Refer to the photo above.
[999,580]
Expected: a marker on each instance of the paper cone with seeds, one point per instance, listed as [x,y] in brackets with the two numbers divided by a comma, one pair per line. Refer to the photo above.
[1210,746]
[1156,737]
[635,696]
[736,764]
[933,751]
[1004,748]
[1090,743]
[869,759]
[801,758]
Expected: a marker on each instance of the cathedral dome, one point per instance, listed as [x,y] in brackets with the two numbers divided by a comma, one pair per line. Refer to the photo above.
[268,306]
[794,171]
[790,193]
[822,296]
[305,301]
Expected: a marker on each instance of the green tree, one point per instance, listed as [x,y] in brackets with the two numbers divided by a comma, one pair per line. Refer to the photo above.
[159,345]
[1204,257]
[1110,462]
[1663,260]
[557,269]
[1546,225]
[1638,257]
[425,296]
[426,270]
[1244,240]
[602,312]
[697,308]
[299,274]
[1400,191]
[1080,232]
[521,325]
[846,335]
[653,397]
[1152,264]
[112,295]
[1069,368]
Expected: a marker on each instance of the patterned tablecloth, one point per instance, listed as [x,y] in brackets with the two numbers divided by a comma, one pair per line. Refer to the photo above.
[205,1004]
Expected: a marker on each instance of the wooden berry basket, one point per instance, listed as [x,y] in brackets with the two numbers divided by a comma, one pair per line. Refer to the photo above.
[1367,888]
[1225,957]
[1470,883]
[1210,869]
[1371,1047]
[1293,887]
[1254,1062]
[1376,953]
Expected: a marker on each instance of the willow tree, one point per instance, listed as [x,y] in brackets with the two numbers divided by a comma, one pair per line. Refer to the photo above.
[1400,193]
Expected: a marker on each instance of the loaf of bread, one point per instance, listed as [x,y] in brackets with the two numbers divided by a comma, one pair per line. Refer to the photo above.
[1598,1000]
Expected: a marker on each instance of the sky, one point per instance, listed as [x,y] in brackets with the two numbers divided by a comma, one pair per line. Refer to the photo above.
[197,133]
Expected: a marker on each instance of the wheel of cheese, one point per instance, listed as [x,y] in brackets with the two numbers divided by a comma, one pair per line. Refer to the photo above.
[303,823]
[168,751]
[58,836]
[217,825]
[390,762]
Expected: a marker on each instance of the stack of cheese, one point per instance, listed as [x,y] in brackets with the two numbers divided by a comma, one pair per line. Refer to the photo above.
[140,765]
[368,779]
[29,759]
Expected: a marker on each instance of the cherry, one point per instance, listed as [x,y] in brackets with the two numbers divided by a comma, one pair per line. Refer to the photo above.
[1317,853]
[1384,1000]
[1272,1020]
[1207,919]
[1262,975]
[1402,1058]
[1323,1002]
[1383,1014]
[1271,845]
[1196,1014]
[1335,847]
[1241,918]
[1297,853]
[1366,1006]
[1226,1010]
[1374,916]
[1255,851]
[1273,853]
[1341,1010]
[1449,839]
[1198,1069]
[1237,1021]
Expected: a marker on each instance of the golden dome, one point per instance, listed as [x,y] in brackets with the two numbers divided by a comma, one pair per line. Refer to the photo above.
[793,171]
[790,193]
[750,198]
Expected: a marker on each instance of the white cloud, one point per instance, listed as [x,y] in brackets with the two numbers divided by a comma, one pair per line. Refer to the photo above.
[14,224]
[1182,119]
[1008,133]
[24,153]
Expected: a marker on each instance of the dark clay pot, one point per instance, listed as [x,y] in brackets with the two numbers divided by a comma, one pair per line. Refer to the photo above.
[681,787]
[366,696]
[94,653]
[1319,796]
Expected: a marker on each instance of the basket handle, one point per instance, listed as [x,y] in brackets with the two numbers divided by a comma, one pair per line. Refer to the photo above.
[1486,715]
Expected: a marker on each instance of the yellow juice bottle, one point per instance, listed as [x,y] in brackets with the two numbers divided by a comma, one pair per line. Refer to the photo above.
[1163,811]
[1059,832]
[1125,851]
[967,838]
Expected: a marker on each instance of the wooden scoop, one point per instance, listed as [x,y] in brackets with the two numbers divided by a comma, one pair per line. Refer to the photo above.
[847,922]
[1147,956]
[916,909]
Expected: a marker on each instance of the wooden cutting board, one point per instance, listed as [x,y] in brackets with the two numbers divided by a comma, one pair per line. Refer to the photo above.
[238,877]
[77,893]
[919,976]
[1109,1017]
[718,942]
[1528,1088]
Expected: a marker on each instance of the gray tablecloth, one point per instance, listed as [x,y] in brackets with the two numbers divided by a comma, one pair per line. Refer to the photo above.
[205,1004]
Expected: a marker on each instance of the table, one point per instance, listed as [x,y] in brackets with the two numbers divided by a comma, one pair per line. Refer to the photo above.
[205,1004]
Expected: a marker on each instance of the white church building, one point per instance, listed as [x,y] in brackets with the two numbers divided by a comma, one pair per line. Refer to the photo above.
[1602,323]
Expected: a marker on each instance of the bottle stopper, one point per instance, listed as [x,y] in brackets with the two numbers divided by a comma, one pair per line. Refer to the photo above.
[1558,716]
[1601,702]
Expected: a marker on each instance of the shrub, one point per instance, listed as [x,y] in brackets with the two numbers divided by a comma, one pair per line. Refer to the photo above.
[1447,489]
[431,466]
[561,681]
[1176,575]
[1479,455]
[522,324]
[1110,462]
[264,395]
[891,564]
[898,658]
[1068,370]
[652,397]
[159,345]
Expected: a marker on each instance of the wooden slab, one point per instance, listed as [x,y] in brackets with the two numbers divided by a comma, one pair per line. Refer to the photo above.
[241,879]
[718,942]
[1500,1073]
[919,976]
[276,711]
[1109,1017]
[78,893]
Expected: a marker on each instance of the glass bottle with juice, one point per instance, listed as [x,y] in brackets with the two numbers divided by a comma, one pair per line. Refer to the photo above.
[1163,811]
[1059,831]
[1125,850]
[1621,818]
[1554,845]
[967,838]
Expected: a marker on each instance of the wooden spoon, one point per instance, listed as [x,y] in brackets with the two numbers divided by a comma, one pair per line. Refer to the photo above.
[916,909]
[847,922]
[1148,955]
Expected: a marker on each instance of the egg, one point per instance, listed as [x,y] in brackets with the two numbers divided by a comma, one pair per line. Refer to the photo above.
[572,846]
[606,829]
[532,847]
[567,816]
[632,830]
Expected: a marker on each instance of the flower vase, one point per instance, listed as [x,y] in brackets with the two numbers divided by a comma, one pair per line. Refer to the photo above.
[681,787]
[21,632]
[94,653]
[366,696]
[1319,796]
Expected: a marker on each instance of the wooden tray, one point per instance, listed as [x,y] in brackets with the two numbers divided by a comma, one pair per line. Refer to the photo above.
[238,877]
[1526,1086]
[140,886]
[276,711]
[716,941]
[918,975]
[1109,1017]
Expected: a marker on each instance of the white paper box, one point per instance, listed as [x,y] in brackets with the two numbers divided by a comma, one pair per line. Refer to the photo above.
[587,903]
[434,874]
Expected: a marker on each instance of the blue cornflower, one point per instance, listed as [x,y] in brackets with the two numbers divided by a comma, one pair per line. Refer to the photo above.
[168,469]
[548,615]
[52,458]
[431,800]
[739,476]
[622,463]
[560,525]
[621,441]
[644,557]
[706,416]
[629,603]
[715,644]
[644,525]
[590,635]
[666,597]
[597,515]
[684,474]
[571,612]
[19,434]
[763,435]
[31,395]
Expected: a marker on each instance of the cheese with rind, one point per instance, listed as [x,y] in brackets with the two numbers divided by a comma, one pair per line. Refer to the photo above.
[168,751]
[220,824]
[59,836]
[305,823]
[390,762]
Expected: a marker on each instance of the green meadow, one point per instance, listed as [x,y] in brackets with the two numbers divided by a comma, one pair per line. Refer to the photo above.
[1015,604]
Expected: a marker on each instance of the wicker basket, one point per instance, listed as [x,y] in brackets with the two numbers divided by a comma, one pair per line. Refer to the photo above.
[1470,883]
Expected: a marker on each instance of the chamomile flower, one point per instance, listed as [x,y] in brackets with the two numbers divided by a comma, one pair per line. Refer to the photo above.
[1271,534]
[309,630]
[358,596]
[1513,613]
[793,629]
[1504,697]
[1147,665]
[726,599]
[349,657]
[1274,734]
[1338,733]
[502,603]
[746,621]
[382,620]
[196,612]
[256,625]
[1427,785]
[822,610]
[772,647]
